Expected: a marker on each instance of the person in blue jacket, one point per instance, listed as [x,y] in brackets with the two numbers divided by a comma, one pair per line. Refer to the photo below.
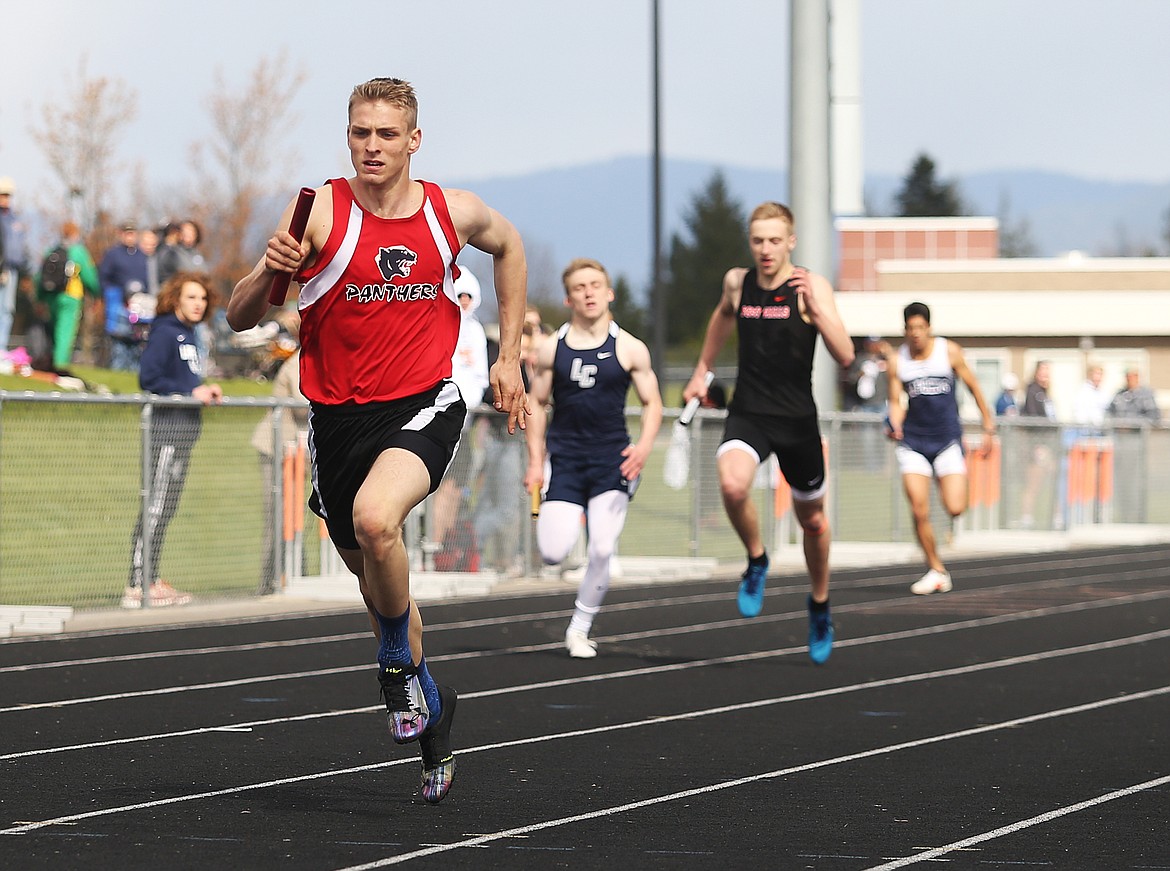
[171,365]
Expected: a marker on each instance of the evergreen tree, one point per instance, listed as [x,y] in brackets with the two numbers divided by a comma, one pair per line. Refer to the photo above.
[716,240]
[629,315]
[924,196]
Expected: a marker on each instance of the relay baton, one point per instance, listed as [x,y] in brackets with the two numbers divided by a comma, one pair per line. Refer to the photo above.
[296,229]
[536,500]
[688,413]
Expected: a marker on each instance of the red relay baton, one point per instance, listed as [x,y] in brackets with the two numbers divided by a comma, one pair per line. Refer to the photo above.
[296,229]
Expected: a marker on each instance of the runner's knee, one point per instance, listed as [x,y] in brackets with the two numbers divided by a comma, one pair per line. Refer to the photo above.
[816,525]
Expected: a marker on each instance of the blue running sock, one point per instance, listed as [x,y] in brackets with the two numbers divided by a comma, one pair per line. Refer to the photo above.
[430,691]
[395,647]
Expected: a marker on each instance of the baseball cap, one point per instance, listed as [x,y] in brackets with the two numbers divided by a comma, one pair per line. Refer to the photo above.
[7,185]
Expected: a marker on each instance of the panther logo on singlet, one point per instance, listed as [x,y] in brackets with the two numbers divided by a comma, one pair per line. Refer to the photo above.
[396,261]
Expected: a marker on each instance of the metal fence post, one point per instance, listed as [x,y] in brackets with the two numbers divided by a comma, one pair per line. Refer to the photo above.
[695,477]
[276,520]
[147,494]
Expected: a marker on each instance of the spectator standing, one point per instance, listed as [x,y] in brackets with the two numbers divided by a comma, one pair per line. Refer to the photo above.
[868,377]
[182,255]
[1091,401]
[1038,404]
[168,239]
[13,258]
[170,365]
[1135,402]
[1132,409]
[294,428]
[469,371]
[123,273]
[65,302]
[148,245]
[869,387]
[1005,404]
[499,504]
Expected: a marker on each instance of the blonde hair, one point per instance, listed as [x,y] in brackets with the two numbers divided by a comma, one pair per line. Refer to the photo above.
[168,297]
[767,210]
[396,92]
[582,263]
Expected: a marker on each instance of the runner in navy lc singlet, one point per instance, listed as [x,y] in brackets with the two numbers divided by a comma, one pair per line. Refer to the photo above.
[584,457]
[929,433]
[779,310]
[379,323]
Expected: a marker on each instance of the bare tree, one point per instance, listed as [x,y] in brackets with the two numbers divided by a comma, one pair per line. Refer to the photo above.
[248,128]
[1015,237]
[78,138]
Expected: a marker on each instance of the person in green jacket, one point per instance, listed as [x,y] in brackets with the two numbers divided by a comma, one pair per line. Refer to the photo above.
[65,303]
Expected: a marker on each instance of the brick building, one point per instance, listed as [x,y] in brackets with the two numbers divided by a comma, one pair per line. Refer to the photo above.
[1009,313]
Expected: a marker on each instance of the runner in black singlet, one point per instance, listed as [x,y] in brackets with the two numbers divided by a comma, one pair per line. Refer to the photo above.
[779,310]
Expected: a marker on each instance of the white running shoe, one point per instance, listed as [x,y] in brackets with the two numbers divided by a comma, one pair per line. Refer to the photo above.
[932,582]
[579,645]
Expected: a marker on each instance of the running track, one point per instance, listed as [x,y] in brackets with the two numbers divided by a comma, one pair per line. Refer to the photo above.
[1021,721]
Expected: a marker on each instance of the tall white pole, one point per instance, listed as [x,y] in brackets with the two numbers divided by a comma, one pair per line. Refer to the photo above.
[808,167]
[845,121]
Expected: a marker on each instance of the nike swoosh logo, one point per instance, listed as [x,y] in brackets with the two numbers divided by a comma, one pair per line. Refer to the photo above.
[604,355]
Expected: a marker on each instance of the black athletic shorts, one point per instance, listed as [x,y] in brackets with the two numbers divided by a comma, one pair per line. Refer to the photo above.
[796,444]
[345,440]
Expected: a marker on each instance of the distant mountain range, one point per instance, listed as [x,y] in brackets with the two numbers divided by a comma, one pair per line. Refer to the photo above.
[604,210]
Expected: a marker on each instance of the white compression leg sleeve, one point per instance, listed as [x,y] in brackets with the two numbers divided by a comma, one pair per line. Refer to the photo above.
[557,530]
[606,517]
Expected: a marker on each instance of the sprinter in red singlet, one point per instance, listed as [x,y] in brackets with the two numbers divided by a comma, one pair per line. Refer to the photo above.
[379,322]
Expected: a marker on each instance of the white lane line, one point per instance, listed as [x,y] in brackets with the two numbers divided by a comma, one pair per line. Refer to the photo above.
[28,826]
[900,680]
[1053,564]
[731,784]
[697,598]
[1057,813]
[655,633]
[187,651]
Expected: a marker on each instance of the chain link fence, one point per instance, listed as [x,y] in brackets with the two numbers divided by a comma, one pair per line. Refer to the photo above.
[75,471]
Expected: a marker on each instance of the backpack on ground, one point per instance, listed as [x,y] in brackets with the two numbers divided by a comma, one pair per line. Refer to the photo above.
[56,270]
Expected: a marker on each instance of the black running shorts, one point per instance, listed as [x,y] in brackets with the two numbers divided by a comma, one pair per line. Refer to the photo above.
[796,444]
[345,440]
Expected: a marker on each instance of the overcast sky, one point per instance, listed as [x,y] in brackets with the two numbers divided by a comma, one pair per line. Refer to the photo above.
[508,86]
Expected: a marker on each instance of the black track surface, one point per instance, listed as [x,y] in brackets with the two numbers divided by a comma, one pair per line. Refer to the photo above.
[1022,720]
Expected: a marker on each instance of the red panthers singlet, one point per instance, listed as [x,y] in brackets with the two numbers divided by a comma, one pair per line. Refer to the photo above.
[379,317]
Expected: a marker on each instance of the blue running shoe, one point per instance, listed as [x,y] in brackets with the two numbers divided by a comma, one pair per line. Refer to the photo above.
[820,634]
[751,590]
[406,707]
[438,761]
